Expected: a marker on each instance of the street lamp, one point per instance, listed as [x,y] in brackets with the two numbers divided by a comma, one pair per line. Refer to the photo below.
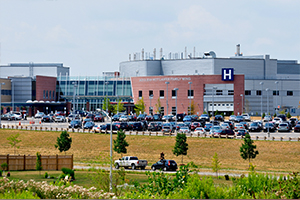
[277,94]
[13,94]
[117,104]
[150,108]
[267,90]
[213,91]
[261,112]
[190,96]
[242,103]
[106,88]
[167,97]
[0,102]
[176,89]
[74,94]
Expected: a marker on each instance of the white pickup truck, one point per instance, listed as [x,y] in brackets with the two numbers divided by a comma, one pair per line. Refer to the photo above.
[130,161]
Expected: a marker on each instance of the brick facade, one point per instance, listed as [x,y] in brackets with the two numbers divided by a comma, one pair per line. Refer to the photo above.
[45,87]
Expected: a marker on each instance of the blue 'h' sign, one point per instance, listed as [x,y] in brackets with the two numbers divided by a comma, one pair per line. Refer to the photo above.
[227,74]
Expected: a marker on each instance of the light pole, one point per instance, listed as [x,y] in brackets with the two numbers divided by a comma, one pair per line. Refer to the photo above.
[213,91]
[106,88]
[0,102]
[176,89]
[242,103]
[267,90]
[277,94]
[261,112]
[74,94]
[167,83]
[190,96]
[117,104]
[13,95]
[150,108]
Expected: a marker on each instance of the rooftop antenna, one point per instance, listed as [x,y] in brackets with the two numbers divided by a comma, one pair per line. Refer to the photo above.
[161,53]
[185,54]
[154,53]
[142,53]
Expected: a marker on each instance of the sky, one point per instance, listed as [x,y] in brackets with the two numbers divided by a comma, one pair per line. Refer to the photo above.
[92,36]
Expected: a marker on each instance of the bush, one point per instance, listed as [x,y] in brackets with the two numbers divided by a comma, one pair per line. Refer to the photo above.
[0,172]
[46,175]
[68,171]
[4,166]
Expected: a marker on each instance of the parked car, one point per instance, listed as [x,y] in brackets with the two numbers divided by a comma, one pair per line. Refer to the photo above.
[116,117]
[231,124]
[297,128]
[97,128]
[17,115]
[239,119]
[232,118]
[149,118]
[124,118]
[180,117]
[154,126]
[246,117]
[141,117]
[168,118]
[74,117]
[207,127]
[199,130]
[131,161]
[124,126]
[89,125]
[283,117]
[157,117]
[184,129]
[7,116]
[39,115]
[283,127]
[166,129]
[219,118]
[269,127]
[225,126]
[277,121]
[214,129]
[165,165]
[245,125]
[267,118]
[138,126]
[98,118]
[187,118]
[254,126]
[46,118]
[194,125]
[293,121]
[75,124]
[87,120]
[238,127]
[242,132]
[205,117]
[60,118]
[108,125]
[224,132]
[179,125]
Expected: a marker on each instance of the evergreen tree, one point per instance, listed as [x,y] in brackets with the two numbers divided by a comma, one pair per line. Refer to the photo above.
[247,149]
[140,106]
[63,142]
[38,164]
[181,146]
[120,143]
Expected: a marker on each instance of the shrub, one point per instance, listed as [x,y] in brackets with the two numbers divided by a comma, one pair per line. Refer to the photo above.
[0,172]
[46,175]
[4,166]
[68,171]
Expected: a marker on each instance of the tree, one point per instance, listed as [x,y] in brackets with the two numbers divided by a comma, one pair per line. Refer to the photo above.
[120,143]
[13,141]
[247,149]
[158,106]
[119,107]
[109,106]
[140,106]
[63,142]
[193,108]
[288,115]
[38,164]
[216,164]
[181,146]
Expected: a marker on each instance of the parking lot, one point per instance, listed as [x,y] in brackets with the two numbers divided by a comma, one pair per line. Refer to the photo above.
[36,124]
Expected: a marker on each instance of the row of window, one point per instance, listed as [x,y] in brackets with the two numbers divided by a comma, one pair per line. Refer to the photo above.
[223,104]
[48,94]
[275,93]
[5,92]
[190,93]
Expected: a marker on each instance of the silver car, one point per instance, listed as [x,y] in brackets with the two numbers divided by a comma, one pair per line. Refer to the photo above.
[283,127]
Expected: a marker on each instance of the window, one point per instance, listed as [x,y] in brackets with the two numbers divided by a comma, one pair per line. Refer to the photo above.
[289,93]
[50,95]
[47,94]
[190,93]
[275,93]
[174,110]
[219,104]
[258,92]
[162,110]
[247,92]
[150,92]
[219,92]
[173,93]
[223,104]
[53,95]
[161,93]
[140,93]
[44,94]
[230,92]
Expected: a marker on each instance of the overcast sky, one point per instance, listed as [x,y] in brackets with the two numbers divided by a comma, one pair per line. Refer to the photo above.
[92,36]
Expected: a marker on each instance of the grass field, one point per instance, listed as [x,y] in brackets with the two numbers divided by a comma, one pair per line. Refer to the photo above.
[91,148]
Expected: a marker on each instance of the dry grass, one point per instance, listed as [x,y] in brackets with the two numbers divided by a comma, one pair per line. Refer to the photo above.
[273,155]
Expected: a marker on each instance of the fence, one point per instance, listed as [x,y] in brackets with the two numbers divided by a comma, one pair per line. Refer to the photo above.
[49,162]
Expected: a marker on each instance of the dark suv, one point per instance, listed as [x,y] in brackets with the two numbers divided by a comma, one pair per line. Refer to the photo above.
[138,126]
[165,165]
[255,126]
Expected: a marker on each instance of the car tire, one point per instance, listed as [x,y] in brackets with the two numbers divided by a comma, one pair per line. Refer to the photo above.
[165,169]
[142,168]
[153,168]
[117,166]
[133,167]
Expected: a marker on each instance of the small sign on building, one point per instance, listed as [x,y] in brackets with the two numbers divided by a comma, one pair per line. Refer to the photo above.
[227,74]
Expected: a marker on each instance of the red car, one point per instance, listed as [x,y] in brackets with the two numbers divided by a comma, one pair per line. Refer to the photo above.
[149,118]
[195,125]
[98,118]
